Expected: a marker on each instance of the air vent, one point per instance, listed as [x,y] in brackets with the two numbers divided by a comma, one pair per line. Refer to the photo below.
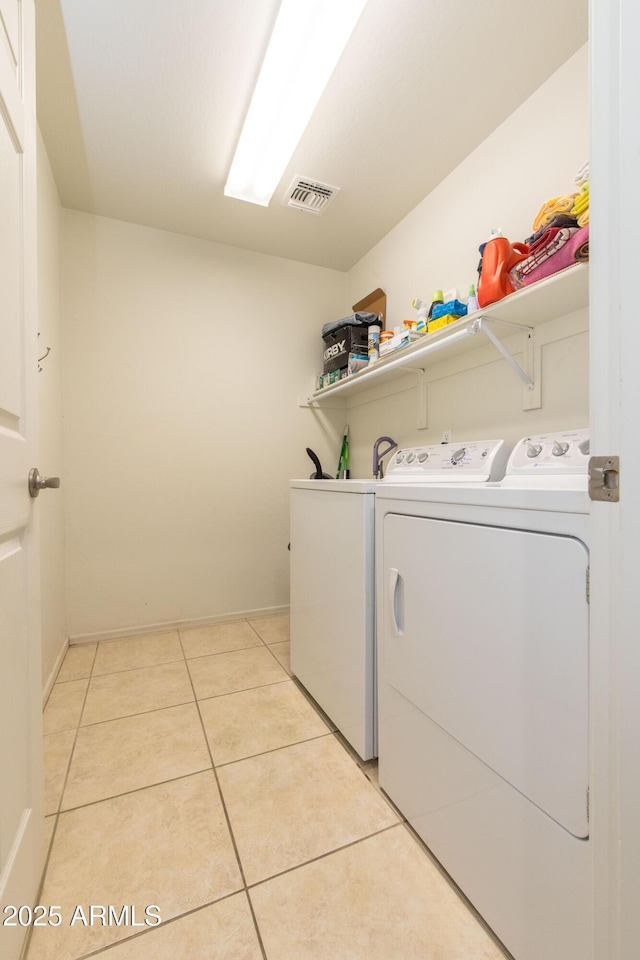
[309,195]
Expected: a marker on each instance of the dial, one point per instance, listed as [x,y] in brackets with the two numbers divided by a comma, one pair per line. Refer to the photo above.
[411,457]
[584,447]
[422,456]
[559,448]
[399,457]
[534,450]
[458,456]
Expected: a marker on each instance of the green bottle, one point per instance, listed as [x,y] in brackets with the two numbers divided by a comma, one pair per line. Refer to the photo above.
[437,298]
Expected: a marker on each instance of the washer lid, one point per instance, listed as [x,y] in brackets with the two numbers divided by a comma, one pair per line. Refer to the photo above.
[335,486]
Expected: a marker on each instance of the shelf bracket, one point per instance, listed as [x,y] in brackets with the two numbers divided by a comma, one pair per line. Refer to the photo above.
[515,366]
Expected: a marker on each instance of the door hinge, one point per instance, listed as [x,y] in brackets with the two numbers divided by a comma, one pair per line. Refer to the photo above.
[604,479]
[588,584]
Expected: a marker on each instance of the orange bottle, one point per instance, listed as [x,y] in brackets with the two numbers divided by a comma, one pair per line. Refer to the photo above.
[498,258]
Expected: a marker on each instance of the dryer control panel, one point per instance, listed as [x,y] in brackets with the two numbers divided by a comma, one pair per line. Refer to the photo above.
[551,454]
[468,462]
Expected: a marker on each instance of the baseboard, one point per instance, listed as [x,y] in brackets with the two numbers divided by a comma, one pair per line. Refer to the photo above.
[166,626]
[48,687]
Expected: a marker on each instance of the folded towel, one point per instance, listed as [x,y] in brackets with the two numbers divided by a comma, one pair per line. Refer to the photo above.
[548,245]
[581,202]
[582,175]
[551,208]
[575,249]
[583,219]
[562,220]
[353,320]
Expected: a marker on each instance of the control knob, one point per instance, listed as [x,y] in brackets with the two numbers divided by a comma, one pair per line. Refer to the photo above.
[559,449]
[458,456]
[534,450]
[422,456]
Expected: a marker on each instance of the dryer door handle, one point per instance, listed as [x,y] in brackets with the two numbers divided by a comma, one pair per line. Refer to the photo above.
[395,599]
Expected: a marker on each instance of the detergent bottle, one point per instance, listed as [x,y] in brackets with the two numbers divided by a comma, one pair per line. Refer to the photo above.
[498,257]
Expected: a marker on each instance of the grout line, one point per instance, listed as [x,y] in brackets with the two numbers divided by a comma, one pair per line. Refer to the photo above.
[257,686]
[228,822]
[454,886]
[75,740]
[323,856]
[265,753]
[126,793]
[233,693]
[256,632]
[144,666]
[305,693]
[220,653]
[129,716]
[163,923]
[27,939]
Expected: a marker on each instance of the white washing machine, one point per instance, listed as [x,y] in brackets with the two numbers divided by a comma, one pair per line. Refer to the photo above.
[483,683]
[333,602]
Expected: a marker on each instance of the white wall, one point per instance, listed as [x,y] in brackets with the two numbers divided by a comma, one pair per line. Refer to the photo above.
[184,364]
[531,157]
[50,461]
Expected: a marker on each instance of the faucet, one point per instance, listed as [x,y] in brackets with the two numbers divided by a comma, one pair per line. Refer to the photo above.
[378,454]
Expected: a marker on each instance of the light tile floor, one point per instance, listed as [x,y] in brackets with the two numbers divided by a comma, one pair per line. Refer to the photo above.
[188,771]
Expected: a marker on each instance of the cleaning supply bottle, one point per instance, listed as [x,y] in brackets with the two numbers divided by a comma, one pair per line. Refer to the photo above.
[472,301]
[437,298]
[423,310]
[373,342]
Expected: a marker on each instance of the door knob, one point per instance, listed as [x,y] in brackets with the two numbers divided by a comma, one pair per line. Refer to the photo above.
[38,483]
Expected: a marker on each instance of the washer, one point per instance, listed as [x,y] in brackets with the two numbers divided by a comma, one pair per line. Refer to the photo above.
[483,684]
[333,602]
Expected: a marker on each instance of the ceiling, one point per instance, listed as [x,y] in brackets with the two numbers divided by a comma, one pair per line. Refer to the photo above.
[141,103]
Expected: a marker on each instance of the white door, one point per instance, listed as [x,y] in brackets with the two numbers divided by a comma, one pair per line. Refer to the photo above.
[615,429]
[21,844]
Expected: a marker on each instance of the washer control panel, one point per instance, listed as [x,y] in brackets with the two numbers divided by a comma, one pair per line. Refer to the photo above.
[471,461]
[551,453]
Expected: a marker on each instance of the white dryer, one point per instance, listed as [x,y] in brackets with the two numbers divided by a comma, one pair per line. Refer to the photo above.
[483,683]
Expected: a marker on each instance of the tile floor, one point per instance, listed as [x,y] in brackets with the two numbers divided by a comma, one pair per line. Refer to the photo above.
[187,770]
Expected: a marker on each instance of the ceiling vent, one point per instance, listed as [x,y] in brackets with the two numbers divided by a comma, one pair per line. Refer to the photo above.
[309,195]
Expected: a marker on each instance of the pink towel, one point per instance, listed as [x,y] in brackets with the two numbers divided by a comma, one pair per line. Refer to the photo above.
[552,257]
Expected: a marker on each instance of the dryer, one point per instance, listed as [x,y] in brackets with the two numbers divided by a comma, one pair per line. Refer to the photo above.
[483,682]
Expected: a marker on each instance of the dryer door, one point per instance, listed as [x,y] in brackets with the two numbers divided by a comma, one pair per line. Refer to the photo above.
[485,630]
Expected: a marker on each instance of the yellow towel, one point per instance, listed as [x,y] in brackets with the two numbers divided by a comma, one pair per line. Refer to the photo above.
[581,206]
[551,208]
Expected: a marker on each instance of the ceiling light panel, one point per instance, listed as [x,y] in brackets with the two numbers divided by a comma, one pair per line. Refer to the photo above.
[307,41]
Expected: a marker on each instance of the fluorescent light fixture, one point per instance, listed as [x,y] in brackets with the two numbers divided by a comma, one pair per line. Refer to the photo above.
[307,41]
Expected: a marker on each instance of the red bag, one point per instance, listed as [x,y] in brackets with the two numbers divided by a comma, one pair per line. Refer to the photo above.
[499,256]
